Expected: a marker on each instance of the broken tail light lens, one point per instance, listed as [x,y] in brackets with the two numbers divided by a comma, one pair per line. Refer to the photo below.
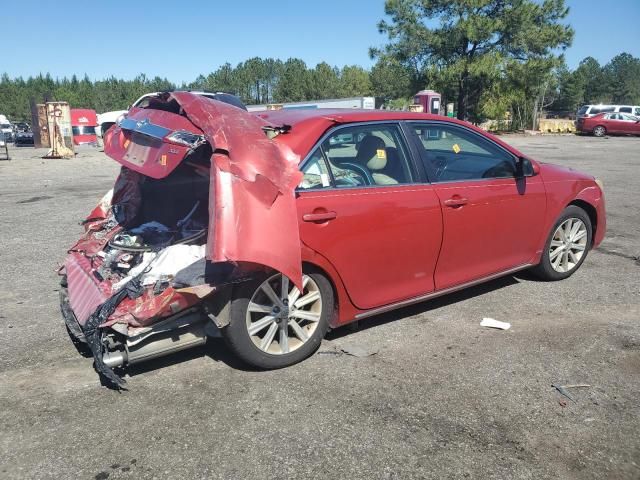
[188,139]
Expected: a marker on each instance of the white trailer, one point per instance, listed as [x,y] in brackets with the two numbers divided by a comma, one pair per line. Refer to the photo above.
[366,103]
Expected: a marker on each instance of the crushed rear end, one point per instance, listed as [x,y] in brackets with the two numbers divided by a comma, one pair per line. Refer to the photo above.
[204,200]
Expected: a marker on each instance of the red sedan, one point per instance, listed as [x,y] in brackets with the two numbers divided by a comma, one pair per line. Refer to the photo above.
[271,228]
[609,123]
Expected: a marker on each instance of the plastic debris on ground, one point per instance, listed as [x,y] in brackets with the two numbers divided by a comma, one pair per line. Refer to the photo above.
[562,389]
[493,323]
[351,350]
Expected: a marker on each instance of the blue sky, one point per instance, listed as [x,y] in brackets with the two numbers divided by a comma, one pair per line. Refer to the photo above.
[189,37]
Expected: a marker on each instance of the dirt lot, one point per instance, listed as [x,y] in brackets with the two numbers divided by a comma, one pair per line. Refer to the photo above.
[442,398]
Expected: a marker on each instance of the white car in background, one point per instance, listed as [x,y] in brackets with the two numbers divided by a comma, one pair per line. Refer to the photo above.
[587,111]
[6,129]
[108,119]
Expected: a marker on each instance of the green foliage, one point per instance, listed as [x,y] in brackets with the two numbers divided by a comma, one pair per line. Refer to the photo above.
[622,75]
[464,46]
[354,82]
[391,80]
[490,83]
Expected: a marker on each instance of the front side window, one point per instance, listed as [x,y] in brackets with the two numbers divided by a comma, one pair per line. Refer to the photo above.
[359,156]
[456,154]
[637,113]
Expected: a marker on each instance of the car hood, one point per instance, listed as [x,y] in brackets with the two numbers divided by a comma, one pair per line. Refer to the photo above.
[252,211]
[552,172]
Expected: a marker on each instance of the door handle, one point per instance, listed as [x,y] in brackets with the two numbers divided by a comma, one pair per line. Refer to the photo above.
[456,201]
[319,217]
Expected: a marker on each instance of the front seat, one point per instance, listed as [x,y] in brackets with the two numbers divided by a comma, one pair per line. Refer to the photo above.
[372,154]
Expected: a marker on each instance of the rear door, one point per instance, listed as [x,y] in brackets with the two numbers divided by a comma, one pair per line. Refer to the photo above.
[614,123]
[361,206]
[492,221]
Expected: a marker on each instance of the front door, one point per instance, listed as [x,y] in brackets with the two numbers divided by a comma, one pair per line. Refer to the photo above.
[492,221]
[362,208]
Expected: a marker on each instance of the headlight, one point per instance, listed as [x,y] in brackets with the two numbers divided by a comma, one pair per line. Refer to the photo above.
[600,183]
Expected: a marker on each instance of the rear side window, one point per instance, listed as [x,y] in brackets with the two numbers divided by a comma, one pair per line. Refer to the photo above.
[625,109]
[596,110]
[359,156]
[456,154]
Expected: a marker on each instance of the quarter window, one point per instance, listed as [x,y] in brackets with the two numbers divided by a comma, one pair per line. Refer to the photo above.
[455,154]
[315,174]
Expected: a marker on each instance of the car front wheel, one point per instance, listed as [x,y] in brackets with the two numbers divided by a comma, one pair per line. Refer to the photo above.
[273,324]
[567,245]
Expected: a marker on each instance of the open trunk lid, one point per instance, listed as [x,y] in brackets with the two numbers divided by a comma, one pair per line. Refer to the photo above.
[252,212]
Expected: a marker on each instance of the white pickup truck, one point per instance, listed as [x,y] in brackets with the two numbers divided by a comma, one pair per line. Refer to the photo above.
[107,119]
[6,129]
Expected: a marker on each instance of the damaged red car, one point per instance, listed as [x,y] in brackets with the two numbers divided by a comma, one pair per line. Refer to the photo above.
[269,229]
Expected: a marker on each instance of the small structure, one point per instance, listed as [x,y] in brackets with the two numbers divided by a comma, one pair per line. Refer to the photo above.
[430,100]
[83,126]
[365,103]
[59,129]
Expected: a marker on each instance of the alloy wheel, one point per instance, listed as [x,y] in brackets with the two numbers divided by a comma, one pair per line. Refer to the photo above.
[568,245]
[280,318]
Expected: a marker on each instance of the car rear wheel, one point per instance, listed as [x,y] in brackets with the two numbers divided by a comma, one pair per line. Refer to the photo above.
[273,324]
[567,245]
[599,131]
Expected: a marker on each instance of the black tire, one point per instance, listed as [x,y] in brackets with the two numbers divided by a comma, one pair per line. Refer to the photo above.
[237,336]
[599,131]
[544,270]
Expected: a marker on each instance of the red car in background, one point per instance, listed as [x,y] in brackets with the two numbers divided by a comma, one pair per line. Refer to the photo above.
[609,123]
[83,126]
[271,228]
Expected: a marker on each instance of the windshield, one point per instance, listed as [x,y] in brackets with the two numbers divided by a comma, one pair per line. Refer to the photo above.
[5,125]
[83,130]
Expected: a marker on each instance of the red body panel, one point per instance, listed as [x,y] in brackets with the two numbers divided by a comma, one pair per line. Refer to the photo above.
[499,228]
[383,242]
[564,186]
[151,157]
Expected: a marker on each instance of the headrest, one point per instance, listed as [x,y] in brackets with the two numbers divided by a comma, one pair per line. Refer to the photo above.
[372,153]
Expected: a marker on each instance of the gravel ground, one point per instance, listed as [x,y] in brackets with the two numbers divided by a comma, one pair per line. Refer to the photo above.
[441,398]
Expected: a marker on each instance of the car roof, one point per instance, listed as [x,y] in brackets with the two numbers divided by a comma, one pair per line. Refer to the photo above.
[307,125]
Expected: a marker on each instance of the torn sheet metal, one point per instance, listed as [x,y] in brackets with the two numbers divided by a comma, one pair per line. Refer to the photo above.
[253,214]
[252,207]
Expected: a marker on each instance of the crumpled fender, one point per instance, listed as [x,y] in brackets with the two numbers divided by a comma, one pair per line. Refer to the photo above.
[253,214]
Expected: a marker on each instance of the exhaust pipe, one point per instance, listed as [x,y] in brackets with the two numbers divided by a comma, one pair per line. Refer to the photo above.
[169,336]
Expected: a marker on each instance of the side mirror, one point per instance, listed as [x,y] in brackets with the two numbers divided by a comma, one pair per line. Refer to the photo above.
[526,168]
